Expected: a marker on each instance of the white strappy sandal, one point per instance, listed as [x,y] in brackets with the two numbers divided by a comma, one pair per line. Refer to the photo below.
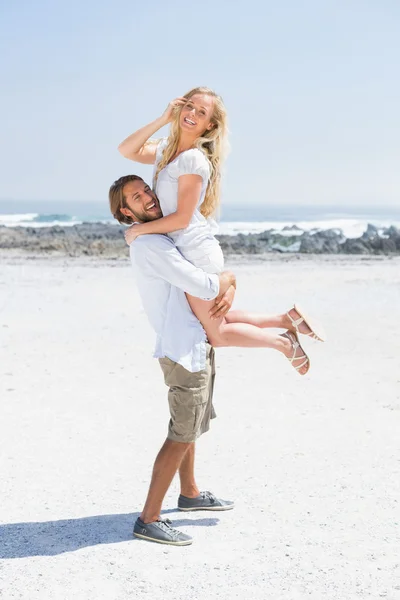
[292,337]
[316,330]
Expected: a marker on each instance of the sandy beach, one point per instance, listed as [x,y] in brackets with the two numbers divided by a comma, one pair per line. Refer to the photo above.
[312,463]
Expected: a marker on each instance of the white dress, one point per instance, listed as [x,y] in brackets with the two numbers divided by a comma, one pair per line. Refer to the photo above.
[197,242]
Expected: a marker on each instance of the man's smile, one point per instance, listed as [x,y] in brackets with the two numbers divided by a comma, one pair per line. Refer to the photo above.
[153,206]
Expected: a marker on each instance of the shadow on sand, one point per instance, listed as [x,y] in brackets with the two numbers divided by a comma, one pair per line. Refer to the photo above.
[48,538]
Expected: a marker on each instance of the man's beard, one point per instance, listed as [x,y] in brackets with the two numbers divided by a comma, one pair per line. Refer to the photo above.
[145,218]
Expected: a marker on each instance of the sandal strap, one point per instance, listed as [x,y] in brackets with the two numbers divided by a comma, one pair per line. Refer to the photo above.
[295,322]
[299,321]
[295,345]
[302,365]
[298,358]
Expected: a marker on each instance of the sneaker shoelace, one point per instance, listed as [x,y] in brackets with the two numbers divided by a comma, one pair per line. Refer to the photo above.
[165,525]
[208,496]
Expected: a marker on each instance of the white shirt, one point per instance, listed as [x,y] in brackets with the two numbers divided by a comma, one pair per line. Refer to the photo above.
[163,276]
[197,240]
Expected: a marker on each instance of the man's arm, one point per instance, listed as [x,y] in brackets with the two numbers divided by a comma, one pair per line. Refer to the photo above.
[160,257]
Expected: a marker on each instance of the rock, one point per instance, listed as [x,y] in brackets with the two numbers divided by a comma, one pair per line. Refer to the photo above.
[388,246]
[391,231]
[311,244]
[372,239]
[370,233]
[292,228]
[394,235]
[322,242]
[265,236]
[295,247]
[354,246]
[375,243]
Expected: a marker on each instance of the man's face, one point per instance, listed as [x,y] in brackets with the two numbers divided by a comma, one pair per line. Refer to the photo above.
[141,203]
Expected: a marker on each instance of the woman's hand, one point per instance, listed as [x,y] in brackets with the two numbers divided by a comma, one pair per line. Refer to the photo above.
[169,113]
[132,233]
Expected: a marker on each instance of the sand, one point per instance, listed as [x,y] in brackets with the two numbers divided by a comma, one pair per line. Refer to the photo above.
[312,463]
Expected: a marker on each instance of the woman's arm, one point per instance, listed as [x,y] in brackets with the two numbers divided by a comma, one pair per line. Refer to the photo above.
[137,147]
[189,190]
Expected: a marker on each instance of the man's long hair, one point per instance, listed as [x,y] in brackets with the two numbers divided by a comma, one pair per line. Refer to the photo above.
[117,199]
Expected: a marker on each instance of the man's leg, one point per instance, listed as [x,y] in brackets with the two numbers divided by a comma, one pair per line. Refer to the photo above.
[166,465]
[190,413]
[191,498]
[186,474]
[187,409]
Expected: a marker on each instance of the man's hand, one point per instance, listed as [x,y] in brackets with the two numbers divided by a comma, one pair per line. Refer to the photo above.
[223,303]
[226,279]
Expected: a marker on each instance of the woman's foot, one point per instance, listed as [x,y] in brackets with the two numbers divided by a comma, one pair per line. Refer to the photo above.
[295,353]
[301,324]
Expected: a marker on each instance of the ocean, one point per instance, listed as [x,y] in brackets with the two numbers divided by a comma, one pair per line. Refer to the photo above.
[234,219]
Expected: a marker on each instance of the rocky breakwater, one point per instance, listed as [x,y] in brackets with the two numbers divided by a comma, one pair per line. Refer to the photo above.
[87,239]
[97,239]
[328,241]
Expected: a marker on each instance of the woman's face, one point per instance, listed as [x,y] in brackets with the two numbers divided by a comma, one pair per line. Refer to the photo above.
[196,115]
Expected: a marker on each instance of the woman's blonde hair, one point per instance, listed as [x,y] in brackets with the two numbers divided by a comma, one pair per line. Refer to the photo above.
[212,143]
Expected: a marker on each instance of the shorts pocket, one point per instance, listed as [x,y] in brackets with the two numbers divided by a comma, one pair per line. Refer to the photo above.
[187,411]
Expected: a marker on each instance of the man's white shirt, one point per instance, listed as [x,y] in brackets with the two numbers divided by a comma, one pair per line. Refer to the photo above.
[163,276]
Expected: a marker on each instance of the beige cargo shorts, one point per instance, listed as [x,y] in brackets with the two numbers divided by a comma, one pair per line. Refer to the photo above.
[190,398]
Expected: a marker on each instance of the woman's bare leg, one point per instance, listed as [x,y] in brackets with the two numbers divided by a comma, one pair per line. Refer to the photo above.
[258,320]
[265,321]
[222,333]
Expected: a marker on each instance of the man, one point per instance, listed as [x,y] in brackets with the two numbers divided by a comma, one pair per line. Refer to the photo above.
[187,360]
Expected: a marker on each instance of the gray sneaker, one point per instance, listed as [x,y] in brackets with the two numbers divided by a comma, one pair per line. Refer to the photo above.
[206,501]
[161,532]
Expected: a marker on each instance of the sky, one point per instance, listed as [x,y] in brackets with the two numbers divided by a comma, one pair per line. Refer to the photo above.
[312,90]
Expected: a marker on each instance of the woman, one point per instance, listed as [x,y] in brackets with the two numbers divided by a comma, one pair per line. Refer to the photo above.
[186,181]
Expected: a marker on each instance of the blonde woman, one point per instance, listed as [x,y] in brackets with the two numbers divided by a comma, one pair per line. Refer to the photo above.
[187,170]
